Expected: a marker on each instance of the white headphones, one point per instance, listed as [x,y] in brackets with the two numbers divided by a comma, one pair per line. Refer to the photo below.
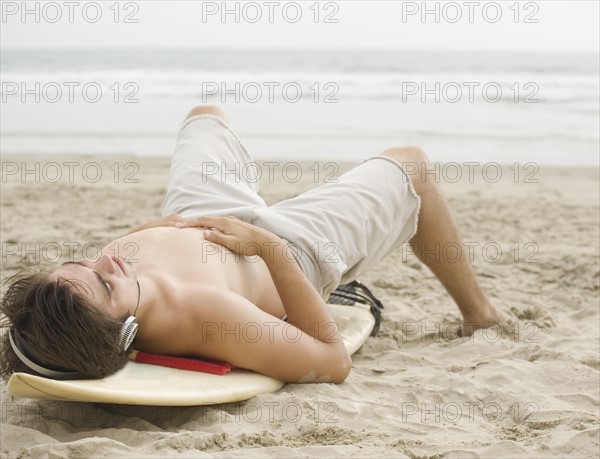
[130,327]
[128,331]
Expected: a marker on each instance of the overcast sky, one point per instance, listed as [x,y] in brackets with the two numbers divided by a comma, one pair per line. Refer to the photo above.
[561,25]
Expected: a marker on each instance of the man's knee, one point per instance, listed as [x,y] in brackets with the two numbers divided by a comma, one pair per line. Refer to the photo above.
[416,164]
[411,154]
[208,110]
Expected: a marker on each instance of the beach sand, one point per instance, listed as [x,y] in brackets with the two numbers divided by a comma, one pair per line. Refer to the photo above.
[527,389]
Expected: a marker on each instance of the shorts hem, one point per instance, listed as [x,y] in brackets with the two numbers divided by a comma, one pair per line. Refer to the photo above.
[410,187]
[249,158]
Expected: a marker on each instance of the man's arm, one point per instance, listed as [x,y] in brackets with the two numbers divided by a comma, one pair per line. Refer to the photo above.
[230,328]
[304,306]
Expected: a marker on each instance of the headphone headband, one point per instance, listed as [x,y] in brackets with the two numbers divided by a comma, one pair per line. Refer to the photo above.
[128,332]
[35,366]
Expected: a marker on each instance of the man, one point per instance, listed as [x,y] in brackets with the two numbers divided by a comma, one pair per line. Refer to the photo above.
[224,277]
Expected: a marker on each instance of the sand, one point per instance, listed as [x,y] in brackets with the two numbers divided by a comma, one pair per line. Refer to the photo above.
[526,389]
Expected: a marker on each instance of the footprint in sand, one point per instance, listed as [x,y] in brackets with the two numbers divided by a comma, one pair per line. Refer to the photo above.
[535,314]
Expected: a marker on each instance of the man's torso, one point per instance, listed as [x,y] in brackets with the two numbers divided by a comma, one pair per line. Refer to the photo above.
[181,263]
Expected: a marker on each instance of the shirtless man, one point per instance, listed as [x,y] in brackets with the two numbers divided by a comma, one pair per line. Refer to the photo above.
[224,277]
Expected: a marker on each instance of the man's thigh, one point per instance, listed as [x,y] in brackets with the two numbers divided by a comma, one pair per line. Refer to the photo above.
[345,228]
[211,172]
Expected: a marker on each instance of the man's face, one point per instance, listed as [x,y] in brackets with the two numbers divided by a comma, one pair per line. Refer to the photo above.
[108,282]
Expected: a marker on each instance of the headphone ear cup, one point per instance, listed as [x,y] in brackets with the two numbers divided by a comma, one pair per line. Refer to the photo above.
[127,334]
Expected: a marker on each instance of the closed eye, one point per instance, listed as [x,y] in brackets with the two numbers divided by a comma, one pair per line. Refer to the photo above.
[110,289]
[106,286]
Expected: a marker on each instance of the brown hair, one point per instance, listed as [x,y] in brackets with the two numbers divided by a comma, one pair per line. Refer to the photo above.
[65,329]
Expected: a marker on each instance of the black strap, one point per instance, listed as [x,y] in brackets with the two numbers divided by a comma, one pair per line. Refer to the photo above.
[356,292]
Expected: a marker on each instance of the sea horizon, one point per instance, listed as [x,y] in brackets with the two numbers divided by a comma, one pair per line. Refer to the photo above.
[501,106]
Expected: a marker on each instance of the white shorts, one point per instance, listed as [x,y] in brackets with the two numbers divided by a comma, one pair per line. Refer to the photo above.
[338,230]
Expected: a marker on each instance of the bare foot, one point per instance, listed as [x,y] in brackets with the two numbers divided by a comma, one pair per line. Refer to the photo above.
[492,316]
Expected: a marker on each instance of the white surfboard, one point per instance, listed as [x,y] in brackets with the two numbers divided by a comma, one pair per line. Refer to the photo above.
[143,384]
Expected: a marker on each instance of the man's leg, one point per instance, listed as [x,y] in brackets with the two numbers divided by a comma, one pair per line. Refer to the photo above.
[436,230]
[211,174]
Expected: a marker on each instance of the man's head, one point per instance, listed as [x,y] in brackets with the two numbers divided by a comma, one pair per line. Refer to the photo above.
[71,318]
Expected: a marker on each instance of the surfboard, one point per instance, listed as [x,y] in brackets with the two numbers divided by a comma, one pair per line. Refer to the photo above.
[143,384]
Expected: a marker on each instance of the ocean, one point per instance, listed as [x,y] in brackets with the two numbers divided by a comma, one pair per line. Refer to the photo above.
[338,105]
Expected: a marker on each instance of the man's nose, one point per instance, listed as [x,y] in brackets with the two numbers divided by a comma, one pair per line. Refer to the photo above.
[102,265]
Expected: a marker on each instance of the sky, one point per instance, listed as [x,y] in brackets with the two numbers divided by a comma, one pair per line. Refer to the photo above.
[466,25]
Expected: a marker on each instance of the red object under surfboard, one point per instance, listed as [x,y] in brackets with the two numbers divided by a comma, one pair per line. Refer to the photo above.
[182,363]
